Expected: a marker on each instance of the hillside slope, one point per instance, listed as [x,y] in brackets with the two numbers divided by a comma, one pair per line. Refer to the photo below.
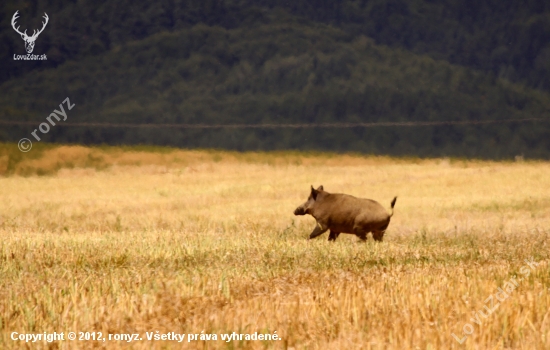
[511,39]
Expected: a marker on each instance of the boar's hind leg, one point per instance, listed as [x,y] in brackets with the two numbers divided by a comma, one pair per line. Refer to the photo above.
[378,235]
[317,231]
[362,234]
[333,235]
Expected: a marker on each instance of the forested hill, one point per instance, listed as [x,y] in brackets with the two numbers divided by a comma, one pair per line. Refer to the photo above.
[250,62]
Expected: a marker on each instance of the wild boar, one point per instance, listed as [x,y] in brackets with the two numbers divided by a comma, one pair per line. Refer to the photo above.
[342,213]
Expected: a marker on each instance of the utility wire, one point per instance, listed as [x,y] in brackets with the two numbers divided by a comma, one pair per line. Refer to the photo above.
[282,126]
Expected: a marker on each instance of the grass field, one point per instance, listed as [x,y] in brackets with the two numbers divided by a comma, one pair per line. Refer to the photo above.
[136,240]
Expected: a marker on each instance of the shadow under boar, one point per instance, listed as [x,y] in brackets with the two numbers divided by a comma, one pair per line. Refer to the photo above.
[342,213]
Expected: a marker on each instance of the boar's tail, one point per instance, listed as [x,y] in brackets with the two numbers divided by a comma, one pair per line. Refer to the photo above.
[392,205]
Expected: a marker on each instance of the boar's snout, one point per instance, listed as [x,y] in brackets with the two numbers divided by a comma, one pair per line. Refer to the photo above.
[300,211]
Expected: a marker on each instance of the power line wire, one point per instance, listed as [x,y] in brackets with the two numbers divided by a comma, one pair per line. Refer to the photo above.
[284,125]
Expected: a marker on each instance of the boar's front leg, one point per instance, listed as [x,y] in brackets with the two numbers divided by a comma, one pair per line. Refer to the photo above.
[318,230]
[333,235]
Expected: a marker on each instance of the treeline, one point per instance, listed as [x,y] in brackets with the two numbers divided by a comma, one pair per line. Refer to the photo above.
[222,62]
[509,38]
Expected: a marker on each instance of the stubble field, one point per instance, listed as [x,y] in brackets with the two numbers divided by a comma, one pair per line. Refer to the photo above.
[131,241]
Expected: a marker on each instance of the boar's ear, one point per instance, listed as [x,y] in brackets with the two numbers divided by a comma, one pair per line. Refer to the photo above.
[320,188]
[313,193]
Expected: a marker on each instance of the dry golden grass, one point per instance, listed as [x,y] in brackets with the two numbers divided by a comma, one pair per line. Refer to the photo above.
[133,241]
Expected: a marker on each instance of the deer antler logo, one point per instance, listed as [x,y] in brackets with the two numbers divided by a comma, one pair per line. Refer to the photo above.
[29,40]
